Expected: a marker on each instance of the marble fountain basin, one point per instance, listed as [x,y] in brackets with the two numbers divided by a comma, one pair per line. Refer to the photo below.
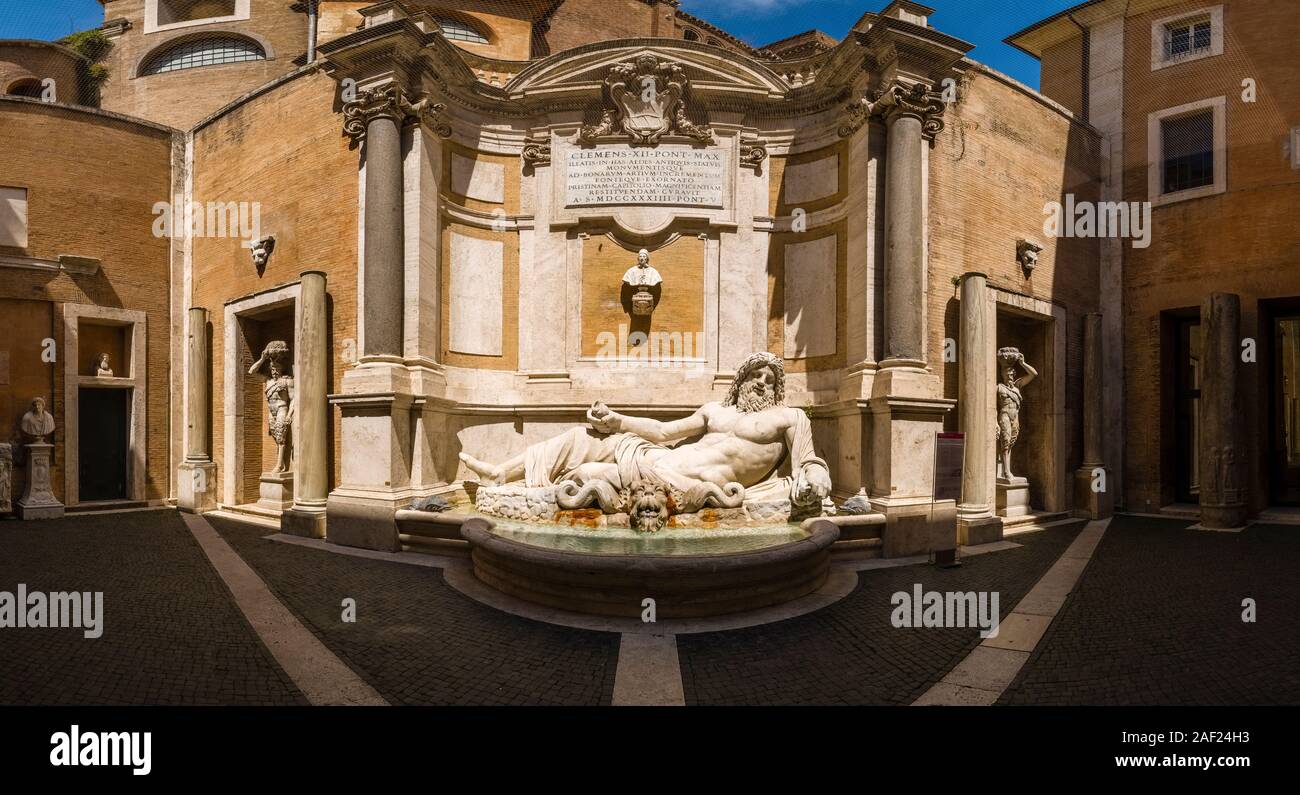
[689,572]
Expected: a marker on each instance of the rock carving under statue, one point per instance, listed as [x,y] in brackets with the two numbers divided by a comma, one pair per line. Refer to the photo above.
[752,463]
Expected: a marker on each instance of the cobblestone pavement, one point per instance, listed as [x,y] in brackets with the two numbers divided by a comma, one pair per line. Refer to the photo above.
[171,631]
[849,653]
[417,641]
[1157,619]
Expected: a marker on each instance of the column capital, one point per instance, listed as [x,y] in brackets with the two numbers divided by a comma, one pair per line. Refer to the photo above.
[390,102]
[896,100]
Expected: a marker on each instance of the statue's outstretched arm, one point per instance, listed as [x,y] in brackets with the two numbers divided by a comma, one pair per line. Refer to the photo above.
[812,475]
[664,432]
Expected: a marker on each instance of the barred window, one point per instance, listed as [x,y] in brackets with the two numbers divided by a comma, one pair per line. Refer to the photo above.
[207,51]
[1187,38]
[1188,152]
[455,30]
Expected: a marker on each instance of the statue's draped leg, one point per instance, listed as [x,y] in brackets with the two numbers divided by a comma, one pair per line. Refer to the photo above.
[546,463]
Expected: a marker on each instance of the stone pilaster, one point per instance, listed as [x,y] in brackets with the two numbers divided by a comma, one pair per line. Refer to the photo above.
[1223,449]
[976,522]
[196,482]
[1093,494]
[311,417]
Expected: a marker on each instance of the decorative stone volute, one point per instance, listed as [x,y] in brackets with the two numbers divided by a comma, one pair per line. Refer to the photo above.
[915,100]
[389,101]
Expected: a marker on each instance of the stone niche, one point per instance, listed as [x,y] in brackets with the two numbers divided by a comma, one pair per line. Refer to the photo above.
[95,339]
[258,448]
[1033,456]
[607,315]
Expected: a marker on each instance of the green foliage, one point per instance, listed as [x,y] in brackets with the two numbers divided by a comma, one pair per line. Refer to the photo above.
[92,44]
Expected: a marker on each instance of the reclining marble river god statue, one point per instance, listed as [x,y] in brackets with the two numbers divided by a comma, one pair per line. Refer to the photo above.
[751,451]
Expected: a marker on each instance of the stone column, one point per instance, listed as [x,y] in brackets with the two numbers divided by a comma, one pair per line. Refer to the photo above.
[907,407]
[196,484]
[378,394]
[976,522]
[1223,448]
[1093,490]
[311,413]
[384,246]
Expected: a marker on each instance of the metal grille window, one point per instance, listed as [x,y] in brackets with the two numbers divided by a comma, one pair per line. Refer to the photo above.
[1187,152]
[1188,38]
[204,52]
[456,30]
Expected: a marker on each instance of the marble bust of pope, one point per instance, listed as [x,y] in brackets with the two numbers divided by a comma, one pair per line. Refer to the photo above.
[37,422]
[642,274]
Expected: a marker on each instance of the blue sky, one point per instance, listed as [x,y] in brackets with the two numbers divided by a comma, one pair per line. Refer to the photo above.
[984,23]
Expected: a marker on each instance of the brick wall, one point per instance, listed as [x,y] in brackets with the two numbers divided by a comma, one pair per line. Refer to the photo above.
[1245,241]
[92,181]
[305,179]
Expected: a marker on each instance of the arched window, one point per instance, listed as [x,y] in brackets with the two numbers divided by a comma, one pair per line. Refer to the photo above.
[30,87]
[206,51]
[455,30]
[690,35]
[714,42]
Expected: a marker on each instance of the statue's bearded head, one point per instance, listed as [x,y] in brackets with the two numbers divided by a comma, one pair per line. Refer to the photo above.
[759,384]
[38,406]
[647,507]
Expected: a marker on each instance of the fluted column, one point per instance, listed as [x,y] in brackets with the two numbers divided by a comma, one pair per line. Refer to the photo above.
[1222,448]
[310,413]
[1093,489]
[196,483]
[976,376]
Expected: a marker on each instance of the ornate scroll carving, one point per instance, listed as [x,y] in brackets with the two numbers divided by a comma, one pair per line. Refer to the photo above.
[537,152]
[389,102]
[752,154]
[646,101]
[917,100]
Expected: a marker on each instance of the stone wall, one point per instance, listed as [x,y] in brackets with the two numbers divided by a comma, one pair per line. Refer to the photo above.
[21,62]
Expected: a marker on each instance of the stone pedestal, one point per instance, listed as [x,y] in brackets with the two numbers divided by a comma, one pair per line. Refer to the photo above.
[275,491]
[196,487]
[38,501]
[1013,497]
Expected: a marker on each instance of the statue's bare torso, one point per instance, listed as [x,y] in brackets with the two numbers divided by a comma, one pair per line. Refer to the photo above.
[736,447]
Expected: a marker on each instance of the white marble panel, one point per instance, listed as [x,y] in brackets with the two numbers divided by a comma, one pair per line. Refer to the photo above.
[477,289]
[809,182]
[810,307]
[478,179]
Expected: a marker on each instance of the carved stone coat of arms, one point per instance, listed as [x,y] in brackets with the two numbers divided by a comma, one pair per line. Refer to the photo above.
[648,102]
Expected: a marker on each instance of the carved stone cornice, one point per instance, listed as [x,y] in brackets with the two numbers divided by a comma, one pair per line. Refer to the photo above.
[915,100]
[646,100]
[389,102]
[537,152]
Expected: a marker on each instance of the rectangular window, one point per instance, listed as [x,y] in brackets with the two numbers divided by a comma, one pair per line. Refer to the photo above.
[13,217]
[1187,146]
[1187,37]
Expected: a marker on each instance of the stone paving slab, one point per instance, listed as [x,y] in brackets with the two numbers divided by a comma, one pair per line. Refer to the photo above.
[1157,620]
[418,641]
[849,653]
[172,633]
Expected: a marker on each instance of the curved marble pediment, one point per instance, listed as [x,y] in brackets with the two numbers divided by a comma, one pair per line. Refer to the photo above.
[710,70]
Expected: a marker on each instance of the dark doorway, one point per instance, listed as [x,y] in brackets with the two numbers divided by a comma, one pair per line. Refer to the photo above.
[1284,457]
[102,416]
[1187,409]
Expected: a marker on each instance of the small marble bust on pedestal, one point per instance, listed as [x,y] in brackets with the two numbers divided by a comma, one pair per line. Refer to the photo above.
[38,501]
[103,370]
[646,284]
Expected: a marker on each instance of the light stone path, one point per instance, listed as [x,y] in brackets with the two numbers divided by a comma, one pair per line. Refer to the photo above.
[321,676]
[649,673]
[981,678]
